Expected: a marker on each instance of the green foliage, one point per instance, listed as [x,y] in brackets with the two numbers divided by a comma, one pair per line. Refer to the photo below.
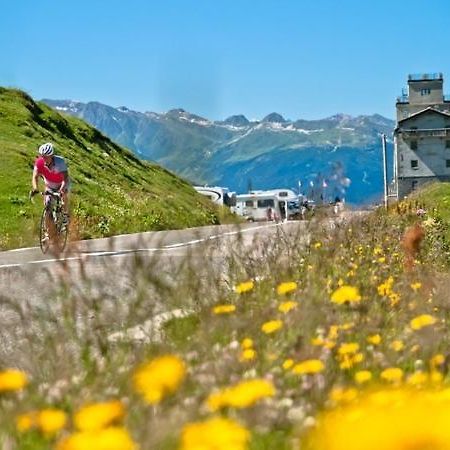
[112,190]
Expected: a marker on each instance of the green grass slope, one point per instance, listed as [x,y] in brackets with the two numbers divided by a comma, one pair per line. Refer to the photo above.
[112,190]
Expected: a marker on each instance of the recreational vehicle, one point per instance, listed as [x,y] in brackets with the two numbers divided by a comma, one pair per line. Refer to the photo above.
[219,195]
[275,204]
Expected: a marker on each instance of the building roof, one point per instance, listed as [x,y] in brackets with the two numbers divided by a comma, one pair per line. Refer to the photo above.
[424,111]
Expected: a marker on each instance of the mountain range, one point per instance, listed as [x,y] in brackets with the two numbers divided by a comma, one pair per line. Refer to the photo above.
[336,156]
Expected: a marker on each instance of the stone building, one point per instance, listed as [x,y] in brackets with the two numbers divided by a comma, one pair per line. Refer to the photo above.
[422,134]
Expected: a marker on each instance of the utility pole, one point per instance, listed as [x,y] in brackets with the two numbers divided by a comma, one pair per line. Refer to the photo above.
[385,200]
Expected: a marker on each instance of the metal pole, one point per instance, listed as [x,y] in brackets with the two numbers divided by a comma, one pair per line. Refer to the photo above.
[383,140]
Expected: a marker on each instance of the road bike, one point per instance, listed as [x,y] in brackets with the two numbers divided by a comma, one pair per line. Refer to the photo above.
[54,226]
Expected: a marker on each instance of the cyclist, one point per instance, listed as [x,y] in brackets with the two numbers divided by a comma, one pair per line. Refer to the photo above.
[53,169]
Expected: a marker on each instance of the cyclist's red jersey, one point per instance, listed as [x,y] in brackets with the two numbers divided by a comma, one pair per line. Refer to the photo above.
[55,175]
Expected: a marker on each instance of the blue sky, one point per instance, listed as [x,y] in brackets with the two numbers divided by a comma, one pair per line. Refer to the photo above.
[302,58]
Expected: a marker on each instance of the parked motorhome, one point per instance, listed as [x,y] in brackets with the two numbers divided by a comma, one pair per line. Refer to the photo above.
[218,195]
[275,204]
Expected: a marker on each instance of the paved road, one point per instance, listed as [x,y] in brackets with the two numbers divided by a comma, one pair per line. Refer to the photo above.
[117,271]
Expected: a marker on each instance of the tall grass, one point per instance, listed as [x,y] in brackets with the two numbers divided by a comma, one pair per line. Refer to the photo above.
[85,343]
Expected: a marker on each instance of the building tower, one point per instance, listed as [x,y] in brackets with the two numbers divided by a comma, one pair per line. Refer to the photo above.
[422,134]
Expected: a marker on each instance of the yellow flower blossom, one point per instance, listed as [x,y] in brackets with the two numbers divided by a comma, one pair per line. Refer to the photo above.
[112,438]
[246,286]
[381,259]
[417,379]
[50,420]
[343,395]
[317,244]
[397,345]
[374,339]
[224,309]
[348,348]
[437,360]
[333,332]
[286,288]
[285,307]
[248,354]
[288,363]
[347,326]
[246,343]
[271,326]
[345,294]
[318,341]
[12,380]
[27,421]
[216,433]
[394,298]
[96,416]
[384,289]
[362,376]
[309,366]
[400,419]
[347,361]
[159,377]
[241,395]
[393,374]
[416,286]
[422,321]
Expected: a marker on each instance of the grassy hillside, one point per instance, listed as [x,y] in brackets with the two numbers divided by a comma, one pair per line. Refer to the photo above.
[112,190]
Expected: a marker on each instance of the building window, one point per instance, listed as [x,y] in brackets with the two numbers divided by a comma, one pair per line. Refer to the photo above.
[425,91]
[414,164]
[266,203]
[249,203]
[413,145]
[414,185]
[447,144]
[447,163]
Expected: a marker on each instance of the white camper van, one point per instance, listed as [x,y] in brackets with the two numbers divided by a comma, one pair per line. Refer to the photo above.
[275,204]
[219,195]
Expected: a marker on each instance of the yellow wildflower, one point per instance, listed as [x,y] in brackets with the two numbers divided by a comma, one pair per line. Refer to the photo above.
[271,326]
[50,420]
[96,416]
[224,309]
[416,286]
[393,374]
[345,294]
[309,366]
[317,244]
[216,433]
[437,360]
[422,321]
[374,339]
[397,345]
[362,376]
[246,286]
[417,378]
[159,377]
[348,348]
[384,289]
[12,380]
[285,307]
[288,363]
[246,343]
[347,361]
[112,438]
[382,259]
[347,326]
[241,395]
[27,421]
[333,332]
[286,288]
[248,354]
[343,395]
[389,420]
[318,341]
[394,298]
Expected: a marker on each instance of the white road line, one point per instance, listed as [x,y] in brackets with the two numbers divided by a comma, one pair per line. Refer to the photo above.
[125,252]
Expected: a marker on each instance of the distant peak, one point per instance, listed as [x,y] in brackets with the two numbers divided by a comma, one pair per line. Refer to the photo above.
[123,109]
[274,118]
[238,120]
[340,117]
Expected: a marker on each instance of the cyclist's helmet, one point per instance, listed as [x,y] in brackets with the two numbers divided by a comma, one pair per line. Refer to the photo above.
[46,149]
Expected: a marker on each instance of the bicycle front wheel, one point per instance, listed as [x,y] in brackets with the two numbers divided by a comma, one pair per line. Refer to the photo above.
[46,230]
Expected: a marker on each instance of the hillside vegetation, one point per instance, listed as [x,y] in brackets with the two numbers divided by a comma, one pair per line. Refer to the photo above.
[112,190]
[338,341]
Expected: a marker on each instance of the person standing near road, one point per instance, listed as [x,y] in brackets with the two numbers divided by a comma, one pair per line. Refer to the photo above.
[53,170]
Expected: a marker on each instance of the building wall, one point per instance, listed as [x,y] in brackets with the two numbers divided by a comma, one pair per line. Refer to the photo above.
[432,153]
